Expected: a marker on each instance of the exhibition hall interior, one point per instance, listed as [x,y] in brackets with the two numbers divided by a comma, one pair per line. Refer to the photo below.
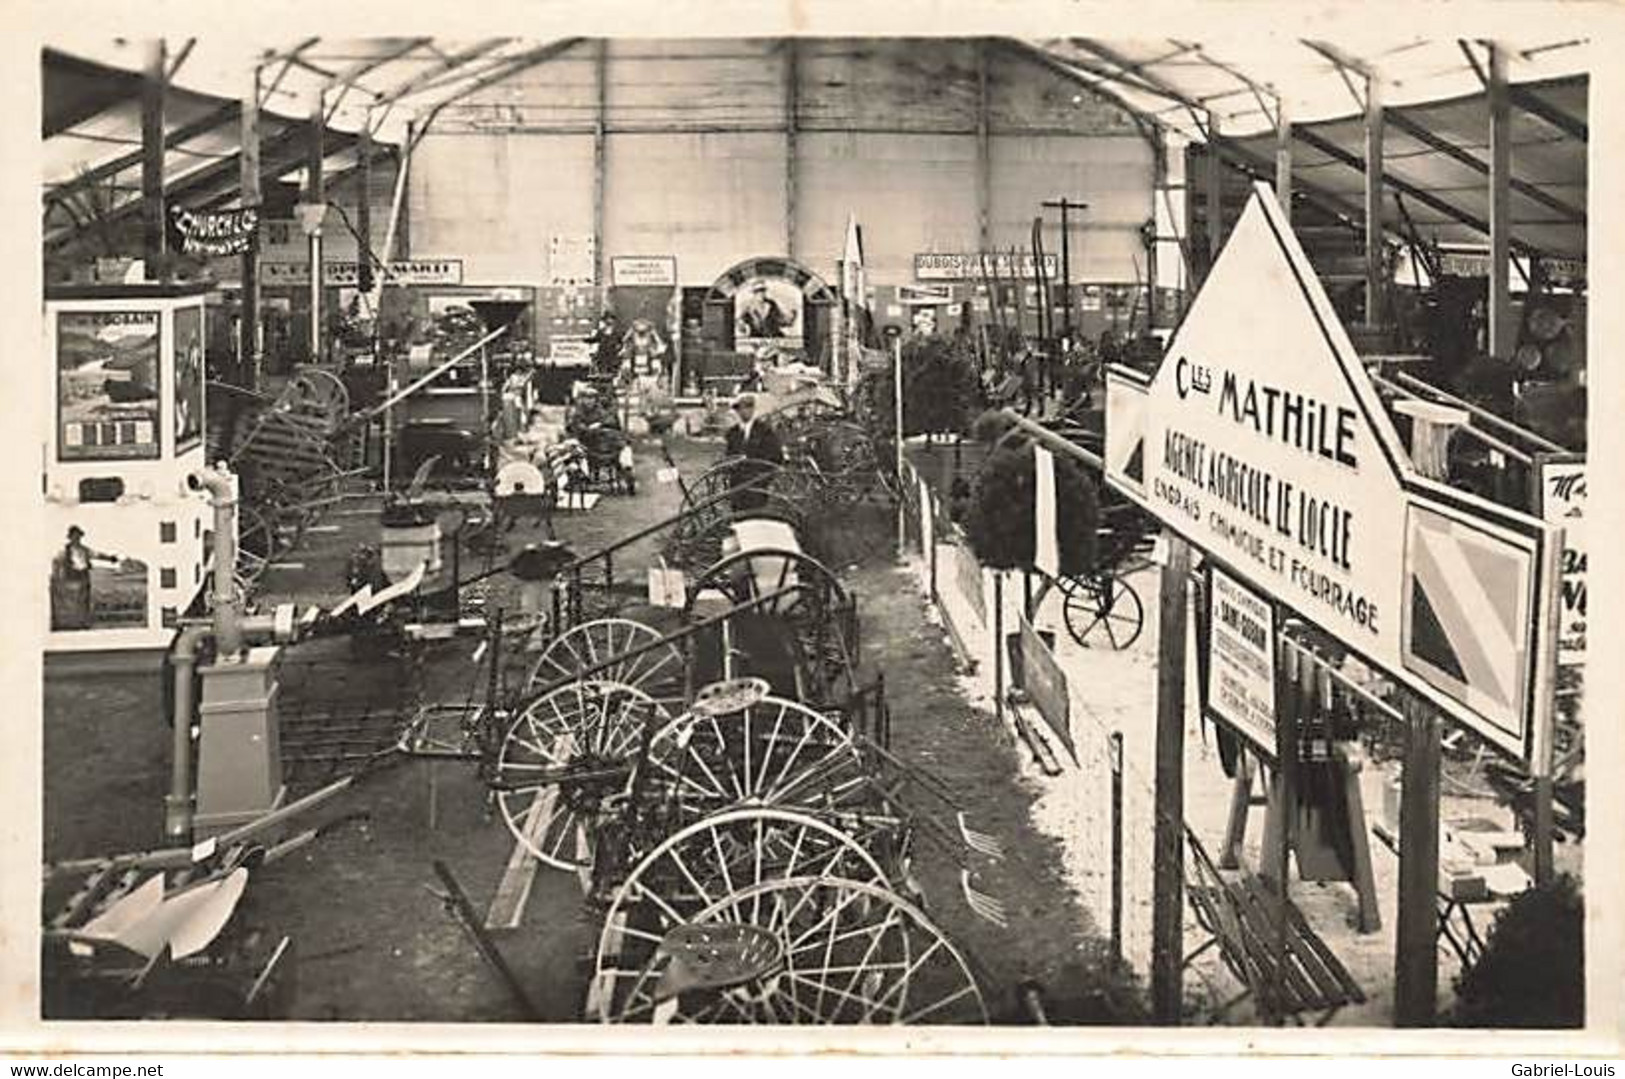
[1072,531]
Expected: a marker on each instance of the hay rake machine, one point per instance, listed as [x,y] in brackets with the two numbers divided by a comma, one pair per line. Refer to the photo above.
[719,782]
[295,452]
[726,797]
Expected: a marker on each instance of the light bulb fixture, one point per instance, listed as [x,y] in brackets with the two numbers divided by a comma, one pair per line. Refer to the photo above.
[310,215]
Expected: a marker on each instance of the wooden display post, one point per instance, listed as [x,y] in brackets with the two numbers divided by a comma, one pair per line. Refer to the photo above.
[1416,956]
[1168,867]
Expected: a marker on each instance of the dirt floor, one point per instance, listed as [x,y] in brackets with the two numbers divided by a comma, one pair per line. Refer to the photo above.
[373,941]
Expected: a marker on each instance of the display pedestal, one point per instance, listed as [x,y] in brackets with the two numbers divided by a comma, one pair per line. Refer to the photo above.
[239,777]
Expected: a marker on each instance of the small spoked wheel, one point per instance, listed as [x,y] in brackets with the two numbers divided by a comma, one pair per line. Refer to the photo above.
[564,756]
[697,867]
[1102,608]
[611,650]
[845,952]
[774,752]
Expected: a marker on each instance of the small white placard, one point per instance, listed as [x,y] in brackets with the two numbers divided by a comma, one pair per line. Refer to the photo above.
[204,850]
[666,475]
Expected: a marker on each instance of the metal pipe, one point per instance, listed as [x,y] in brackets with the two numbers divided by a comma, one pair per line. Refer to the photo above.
[1467,429]
[178,803]
[221,485]
[430,377]
[1416,385]
[1053,441]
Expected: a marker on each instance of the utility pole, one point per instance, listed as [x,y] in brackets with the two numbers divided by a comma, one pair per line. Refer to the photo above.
[1065,204]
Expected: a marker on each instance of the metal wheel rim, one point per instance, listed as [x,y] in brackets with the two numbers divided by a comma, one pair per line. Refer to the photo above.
[854,952]
[706,861]
[598,641]
[1085,610]
[805,761]
[592,722]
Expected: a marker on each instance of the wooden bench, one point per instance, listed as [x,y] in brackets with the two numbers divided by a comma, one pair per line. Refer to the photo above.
[1268,945]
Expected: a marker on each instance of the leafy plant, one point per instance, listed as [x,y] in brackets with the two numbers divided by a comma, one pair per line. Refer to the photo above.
[1532,972]
[1003,504]
[941,389]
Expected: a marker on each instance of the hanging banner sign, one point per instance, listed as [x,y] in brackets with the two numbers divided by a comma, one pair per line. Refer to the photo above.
[1241,667]
[1046,541]
[214,232]
[970,266]
[924,295]
[1565,273]
[348,274]
[1265,444]
[1563,503]
[653,271]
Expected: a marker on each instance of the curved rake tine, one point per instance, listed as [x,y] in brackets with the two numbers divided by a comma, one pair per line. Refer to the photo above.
[981,842]
[983,905]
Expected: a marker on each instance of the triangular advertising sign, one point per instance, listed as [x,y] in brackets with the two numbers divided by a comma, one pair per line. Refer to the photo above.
[1267,447]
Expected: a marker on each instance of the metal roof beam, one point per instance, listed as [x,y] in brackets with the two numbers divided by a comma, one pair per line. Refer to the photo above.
[1426,198]
[1144,80]
[522,62]
[1523,187]
[349,78]
[1344,64]
[1255,166]
[421,80]
[1142,119]
[352,75]
[279,155]
[1572,126]
[1473,60]
[271,56]
[180,58]
[219,117]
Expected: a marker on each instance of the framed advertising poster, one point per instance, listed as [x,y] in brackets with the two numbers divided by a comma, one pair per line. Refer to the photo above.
[188,333]
[95,589]
[1241,665]
[767,313]
[107,365]
[1563,502]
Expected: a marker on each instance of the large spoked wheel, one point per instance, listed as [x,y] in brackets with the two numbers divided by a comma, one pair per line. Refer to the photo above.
[807,586]
[697,540]
[714,481]
[319,392]
[1102,607]
[563,758]
[612,641]
[807,597]
[700,865]
[824,951]
[773,752]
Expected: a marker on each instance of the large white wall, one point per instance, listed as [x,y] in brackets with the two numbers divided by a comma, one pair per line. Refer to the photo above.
[695,159]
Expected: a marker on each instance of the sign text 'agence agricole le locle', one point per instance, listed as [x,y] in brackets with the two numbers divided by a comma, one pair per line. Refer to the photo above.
[1265,517]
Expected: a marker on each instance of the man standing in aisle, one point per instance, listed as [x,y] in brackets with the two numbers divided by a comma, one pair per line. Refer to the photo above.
[756,442]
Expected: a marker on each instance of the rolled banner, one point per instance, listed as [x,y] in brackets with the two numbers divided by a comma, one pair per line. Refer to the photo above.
[1046,544]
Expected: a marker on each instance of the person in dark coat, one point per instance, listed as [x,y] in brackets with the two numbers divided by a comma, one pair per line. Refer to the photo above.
[754,440]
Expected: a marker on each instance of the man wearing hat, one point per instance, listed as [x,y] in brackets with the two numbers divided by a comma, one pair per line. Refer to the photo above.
[72,606]
[761,316]
[754,440]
